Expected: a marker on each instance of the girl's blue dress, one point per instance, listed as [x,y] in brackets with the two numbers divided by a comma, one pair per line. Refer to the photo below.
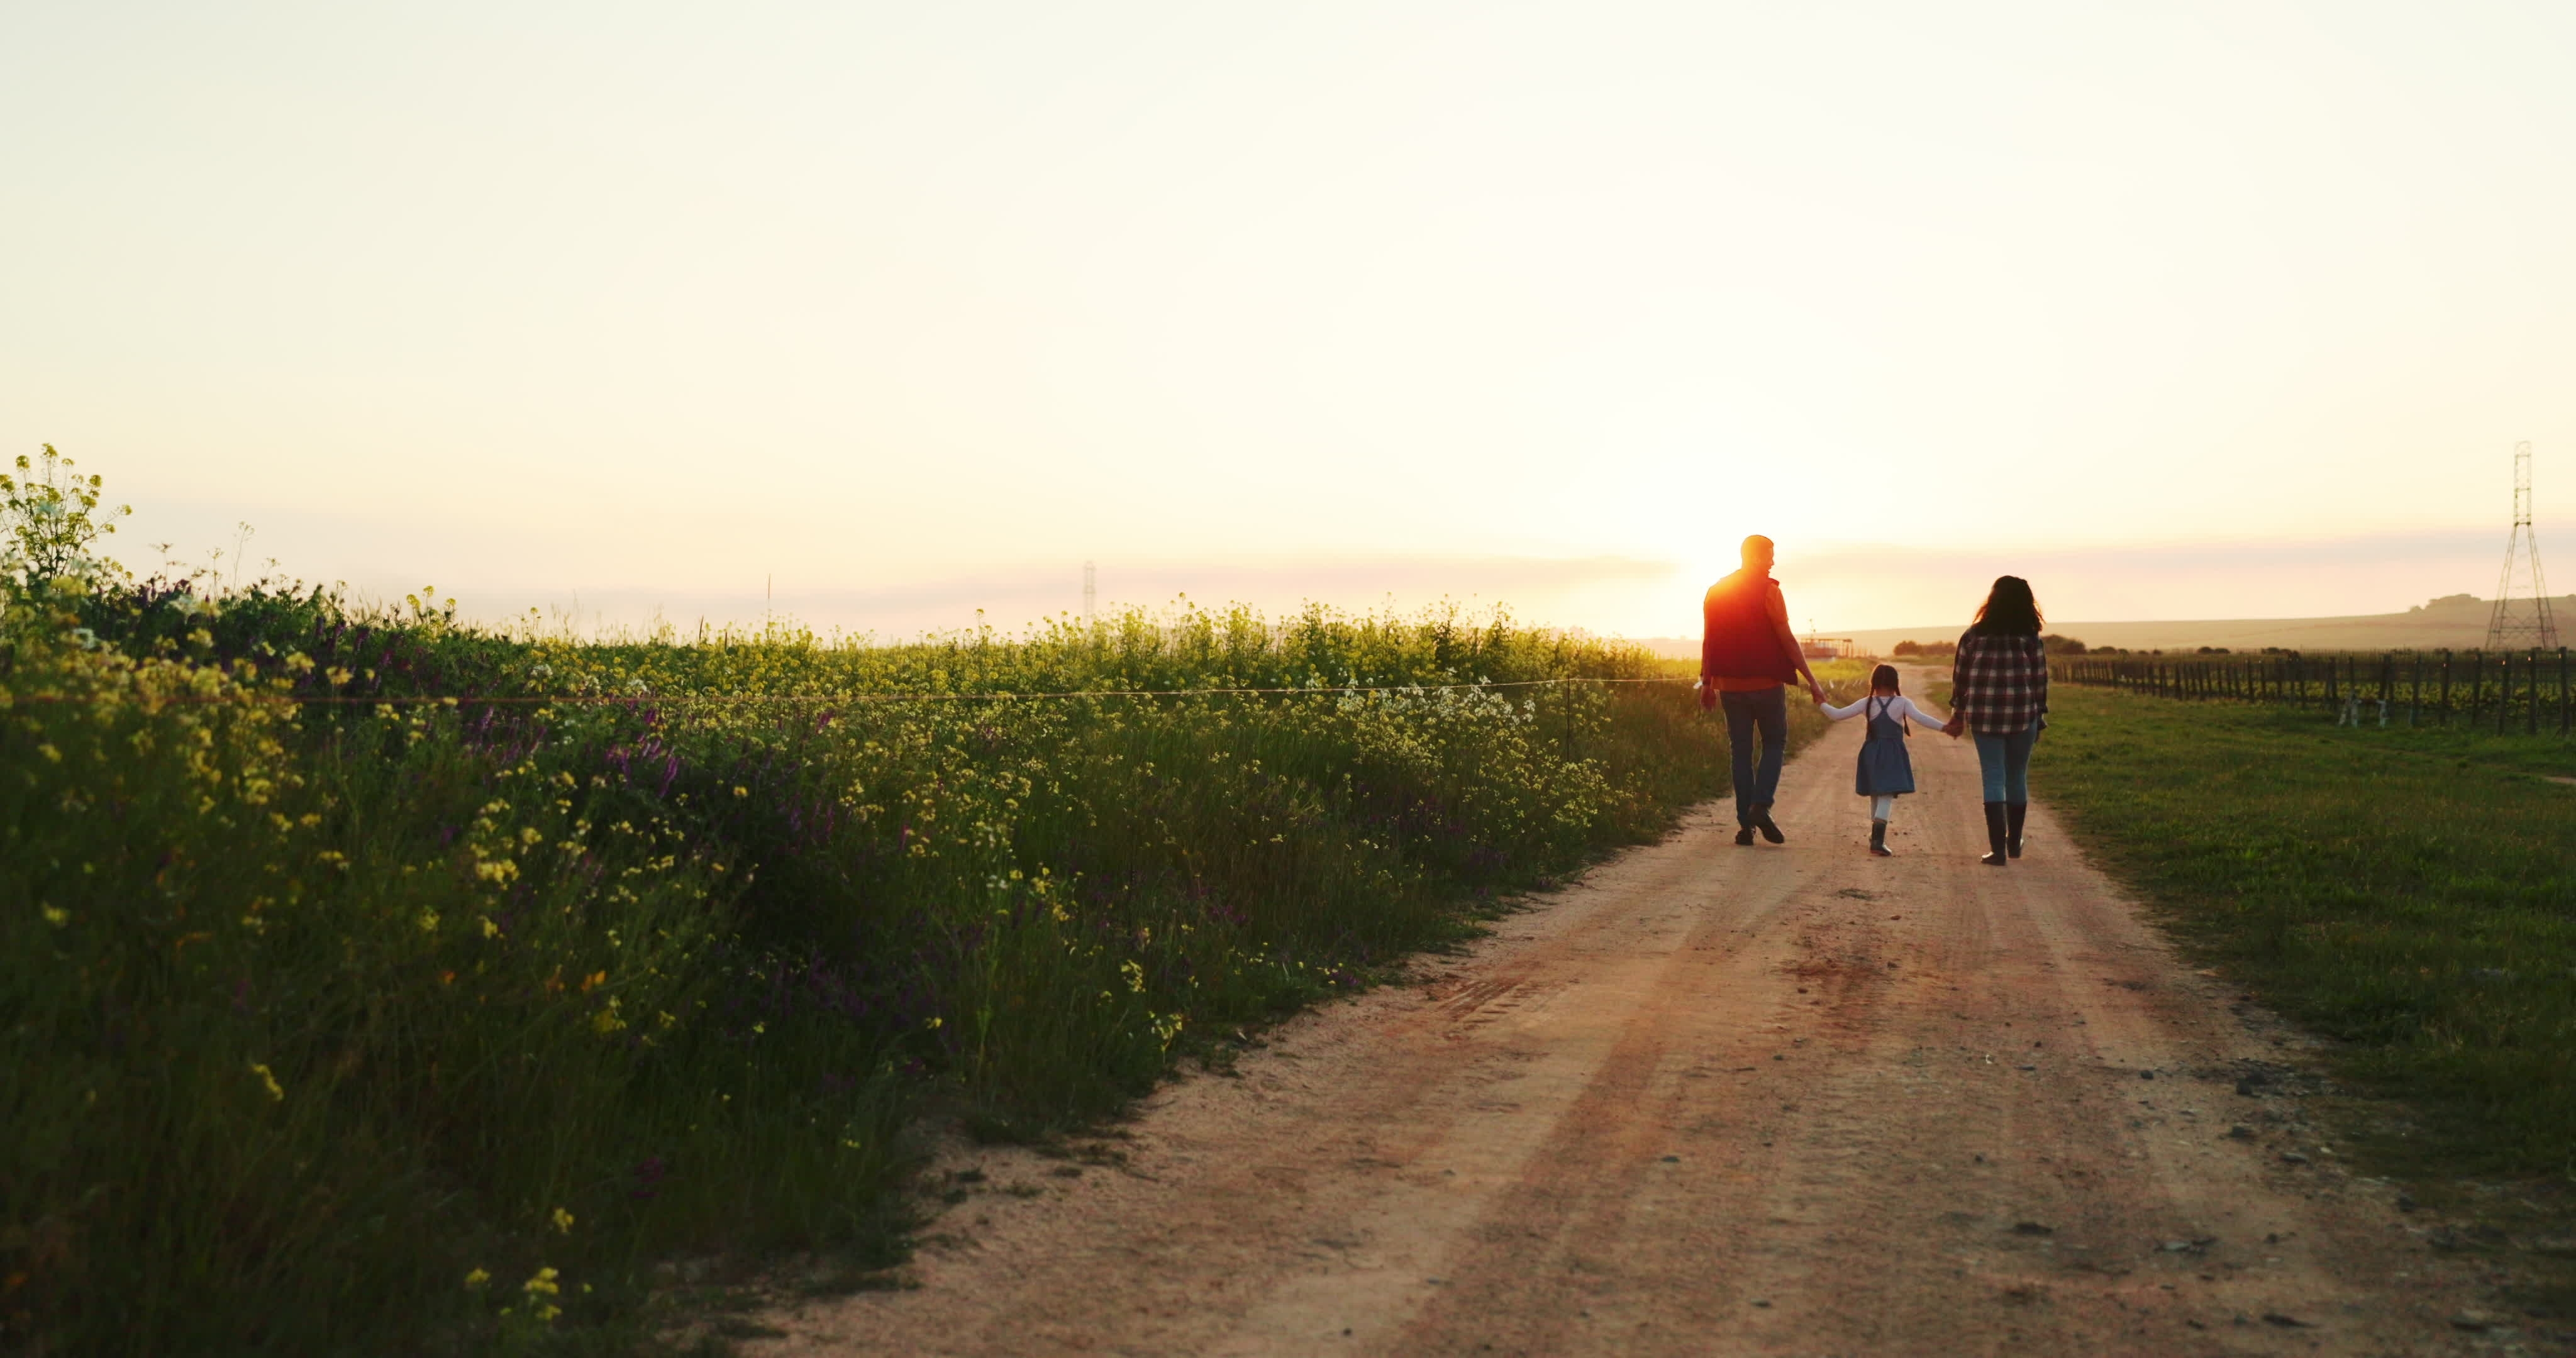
[1885,768]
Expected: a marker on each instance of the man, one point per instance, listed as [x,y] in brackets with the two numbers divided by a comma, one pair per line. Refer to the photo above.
[1746,654]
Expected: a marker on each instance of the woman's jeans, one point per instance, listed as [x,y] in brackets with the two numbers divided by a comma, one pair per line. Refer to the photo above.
[1766,709]
[2005,761]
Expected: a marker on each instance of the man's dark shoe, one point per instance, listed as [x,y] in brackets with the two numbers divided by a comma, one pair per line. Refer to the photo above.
[1744,835]
[1998,852]
[1762,822]
[2013,813]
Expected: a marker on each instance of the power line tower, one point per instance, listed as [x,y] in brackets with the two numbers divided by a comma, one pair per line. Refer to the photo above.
[2517,624]
[1090,593]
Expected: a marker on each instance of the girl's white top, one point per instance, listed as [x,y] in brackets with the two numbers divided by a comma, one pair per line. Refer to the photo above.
[1899,707]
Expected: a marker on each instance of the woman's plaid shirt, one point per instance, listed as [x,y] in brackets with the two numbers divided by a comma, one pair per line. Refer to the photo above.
[1999,683]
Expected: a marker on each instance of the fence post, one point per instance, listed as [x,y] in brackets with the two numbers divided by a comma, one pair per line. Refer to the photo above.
[2562,692]
[2446,686]
[2415,702]
[2531,680]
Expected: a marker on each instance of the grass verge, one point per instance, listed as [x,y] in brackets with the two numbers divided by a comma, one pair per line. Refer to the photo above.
[2410,894]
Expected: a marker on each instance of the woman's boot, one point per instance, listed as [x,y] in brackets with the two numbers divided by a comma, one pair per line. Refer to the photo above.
[1999,853]
[2013,812]
[1878,839]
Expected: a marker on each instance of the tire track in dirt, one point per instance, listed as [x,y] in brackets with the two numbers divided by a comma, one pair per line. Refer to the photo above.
[1714,1100]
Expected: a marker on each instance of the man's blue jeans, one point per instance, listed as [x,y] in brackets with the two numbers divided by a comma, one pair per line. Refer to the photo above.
[1765,710]
[2005,761]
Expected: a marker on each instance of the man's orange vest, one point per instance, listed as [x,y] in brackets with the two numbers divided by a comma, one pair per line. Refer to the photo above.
[1740,641]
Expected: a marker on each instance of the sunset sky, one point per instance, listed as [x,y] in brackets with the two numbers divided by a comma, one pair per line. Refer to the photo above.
[2183,310]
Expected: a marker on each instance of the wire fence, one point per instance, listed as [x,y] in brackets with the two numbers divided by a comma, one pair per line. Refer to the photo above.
[2507,692]
[649,697]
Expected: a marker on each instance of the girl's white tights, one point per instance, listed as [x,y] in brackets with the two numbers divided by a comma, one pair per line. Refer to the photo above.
[1879,807]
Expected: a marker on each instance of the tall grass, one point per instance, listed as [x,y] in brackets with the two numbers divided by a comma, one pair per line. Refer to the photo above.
[428,1026]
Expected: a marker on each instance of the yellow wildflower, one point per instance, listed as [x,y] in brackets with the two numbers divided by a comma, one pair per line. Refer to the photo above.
[477,1278]
[275,1092]
[540,1289]
[562,1220]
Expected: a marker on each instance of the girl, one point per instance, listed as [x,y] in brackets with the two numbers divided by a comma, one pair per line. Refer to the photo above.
[1999,692]
[1886,770]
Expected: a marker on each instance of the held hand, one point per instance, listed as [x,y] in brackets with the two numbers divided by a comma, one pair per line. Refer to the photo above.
[1954,726]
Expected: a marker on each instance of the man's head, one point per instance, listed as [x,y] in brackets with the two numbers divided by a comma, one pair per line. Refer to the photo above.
[1757,553]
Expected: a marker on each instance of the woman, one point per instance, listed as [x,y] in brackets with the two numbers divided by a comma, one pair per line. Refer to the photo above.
[1999,691]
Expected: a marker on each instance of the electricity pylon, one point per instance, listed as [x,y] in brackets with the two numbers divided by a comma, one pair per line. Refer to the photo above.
[2517,624]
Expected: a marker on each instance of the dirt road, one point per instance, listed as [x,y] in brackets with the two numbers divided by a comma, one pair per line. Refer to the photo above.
[1719,1100]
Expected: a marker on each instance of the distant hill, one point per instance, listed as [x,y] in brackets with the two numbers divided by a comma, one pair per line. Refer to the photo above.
[2456,621]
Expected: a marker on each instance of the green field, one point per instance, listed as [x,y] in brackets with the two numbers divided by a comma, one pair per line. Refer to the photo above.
[341,1022]
[2410,894]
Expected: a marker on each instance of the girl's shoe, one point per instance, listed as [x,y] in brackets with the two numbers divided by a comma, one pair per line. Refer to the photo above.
[1998,850]
[2013,813]
[1878,840]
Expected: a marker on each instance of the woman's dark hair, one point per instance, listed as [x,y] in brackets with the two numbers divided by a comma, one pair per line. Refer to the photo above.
[2009,610]
[1884,677]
